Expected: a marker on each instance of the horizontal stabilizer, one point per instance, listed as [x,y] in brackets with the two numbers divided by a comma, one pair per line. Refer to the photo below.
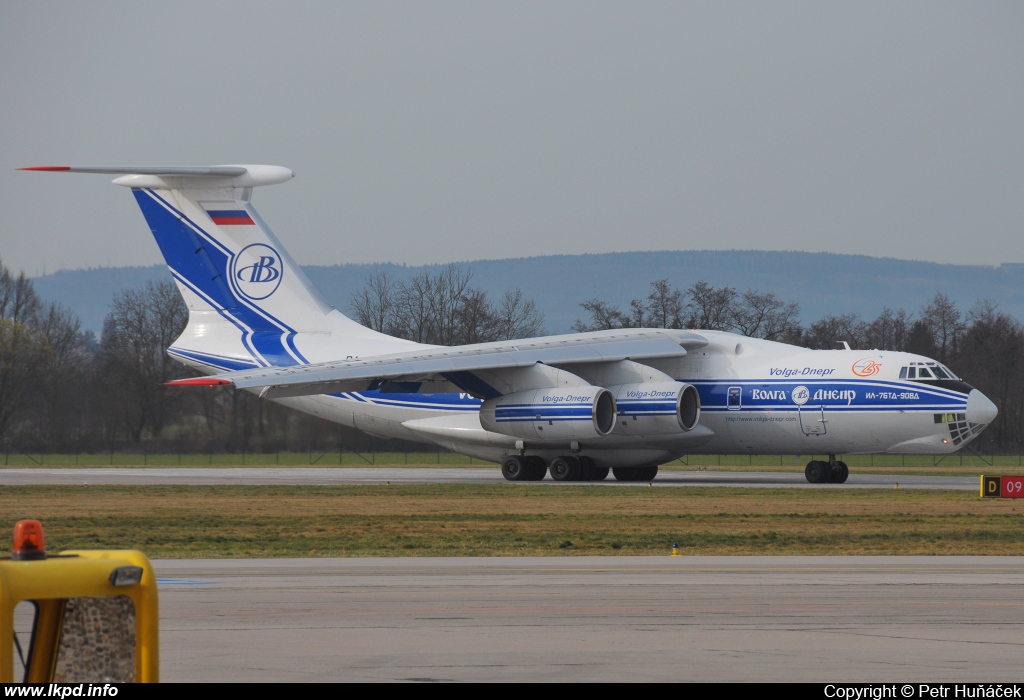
[165,177]
[198,381]
[207,171]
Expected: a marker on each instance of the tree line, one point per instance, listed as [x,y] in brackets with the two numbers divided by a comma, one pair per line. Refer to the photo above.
[443,308]
[63,389]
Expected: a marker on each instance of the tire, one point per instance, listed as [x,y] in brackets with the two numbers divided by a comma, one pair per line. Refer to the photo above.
[635,473]
[844,472]
[564,469]
[601,473]
[587,468]
[623,474]
[537,468]
[514,468]
[816,472]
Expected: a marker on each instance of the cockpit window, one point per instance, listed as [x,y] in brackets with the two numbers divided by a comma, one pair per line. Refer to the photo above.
[927,370]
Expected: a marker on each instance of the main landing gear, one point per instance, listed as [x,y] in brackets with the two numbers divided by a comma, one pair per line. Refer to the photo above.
[636,473]
[570,468]
[830,472]
[566,468]
[516,468]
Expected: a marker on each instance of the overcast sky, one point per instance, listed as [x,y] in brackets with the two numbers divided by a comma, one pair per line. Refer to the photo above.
[436,131]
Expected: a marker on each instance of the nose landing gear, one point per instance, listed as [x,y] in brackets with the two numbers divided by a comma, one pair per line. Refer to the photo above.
[830,472]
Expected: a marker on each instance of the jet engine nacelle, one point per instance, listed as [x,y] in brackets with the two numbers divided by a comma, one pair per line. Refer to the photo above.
[653,408]
[564,413]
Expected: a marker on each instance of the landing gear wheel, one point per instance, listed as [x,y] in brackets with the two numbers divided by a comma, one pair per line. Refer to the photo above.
[844,473]
[587,468]
[537,468]
[635,473]
[601,473]
[565,469]
[817,472]
[514,468]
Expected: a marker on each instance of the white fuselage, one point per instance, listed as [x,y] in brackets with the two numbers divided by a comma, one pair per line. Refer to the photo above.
[757,397]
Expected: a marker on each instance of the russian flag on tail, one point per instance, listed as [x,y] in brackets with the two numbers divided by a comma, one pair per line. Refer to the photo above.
[230,217]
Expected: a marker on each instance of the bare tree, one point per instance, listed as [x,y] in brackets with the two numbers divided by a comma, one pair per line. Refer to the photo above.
[141,325]
[475,319]
[65,360]
[18,299]
[828,332]
[992,360]
[20,346]
[664,307]
[442,308]
[448,291]
[603,317]
[518,317]
[375,305]
[888,331]
[921,339]
[764,315]
[944,322]
[710,308]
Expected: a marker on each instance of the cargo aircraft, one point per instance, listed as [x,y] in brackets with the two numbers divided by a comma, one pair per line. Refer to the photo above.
[573,406]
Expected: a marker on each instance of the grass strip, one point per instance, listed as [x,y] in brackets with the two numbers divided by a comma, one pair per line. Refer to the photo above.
[512,520]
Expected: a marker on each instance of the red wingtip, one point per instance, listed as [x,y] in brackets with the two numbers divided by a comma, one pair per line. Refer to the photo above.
[50,168]
[198,381]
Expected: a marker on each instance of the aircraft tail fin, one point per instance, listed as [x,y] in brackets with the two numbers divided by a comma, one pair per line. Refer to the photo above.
[249,303]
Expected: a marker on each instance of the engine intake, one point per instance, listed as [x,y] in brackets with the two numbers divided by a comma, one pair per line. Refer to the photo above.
[654,408]
[569,413]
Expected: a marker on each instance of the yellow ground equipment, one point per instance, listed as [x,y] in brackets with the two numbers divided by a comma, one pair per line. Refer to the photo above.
[81,616]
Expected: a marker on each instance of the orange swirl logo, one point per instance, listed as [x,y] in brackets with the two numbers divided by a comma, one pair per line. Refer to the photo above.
[866,368]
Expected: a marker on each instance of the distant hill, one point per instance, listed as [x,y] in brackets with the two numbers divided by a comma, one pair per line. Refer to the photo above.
[821,283]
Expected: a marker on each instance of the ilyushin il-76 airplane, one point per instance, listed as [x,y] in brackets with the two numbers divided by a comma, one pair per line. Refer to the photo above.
[573,406]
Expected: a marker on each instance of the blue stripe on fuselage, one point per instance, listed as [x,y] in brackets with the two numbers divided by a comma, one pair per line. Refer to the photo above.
[838,394]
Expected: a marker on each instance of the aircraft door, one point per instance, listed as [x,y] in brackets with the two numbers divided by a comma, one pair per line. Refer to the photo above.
[812,420]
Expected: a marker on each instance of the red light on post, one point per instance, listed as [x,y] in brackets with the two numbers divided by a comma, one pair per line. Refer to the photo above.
[28,541]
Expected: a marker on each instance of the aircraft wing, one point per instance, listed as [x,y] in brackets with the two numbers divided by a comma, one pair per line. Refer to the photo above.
[460,366]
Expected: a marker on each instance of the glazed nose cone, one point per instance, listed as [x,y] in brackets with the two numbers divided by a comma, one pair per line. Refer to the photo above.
[980,409]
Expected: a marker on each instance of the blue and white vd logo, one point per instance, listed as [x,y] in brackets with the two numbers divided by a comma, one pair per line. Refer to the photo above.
[257,271]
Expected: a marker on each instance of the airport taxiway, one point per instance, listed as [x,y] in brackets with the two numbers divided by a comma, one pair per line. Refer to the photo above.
[596,619]
[322,476]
